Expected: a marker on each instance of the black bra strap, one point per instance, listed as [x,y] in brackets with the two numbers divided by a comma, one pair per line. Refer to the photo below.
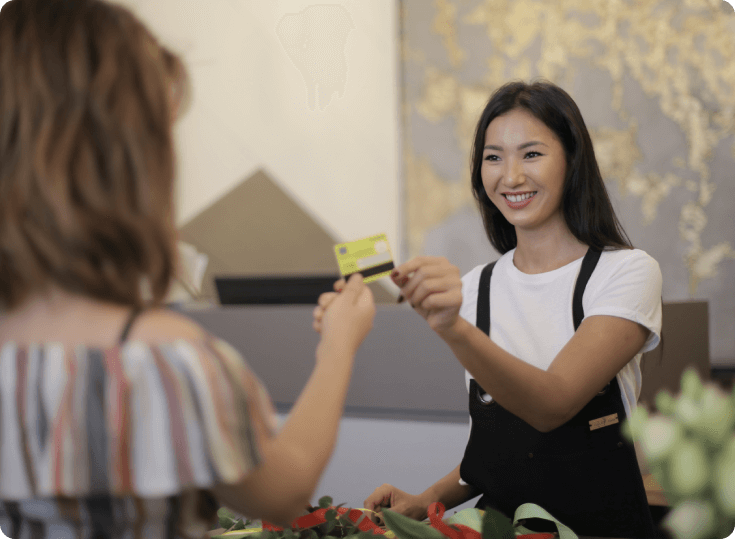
[129,324]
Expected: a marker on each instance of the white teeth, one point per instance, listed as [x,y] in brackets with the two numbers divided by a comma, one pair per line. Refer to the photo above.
[519,198]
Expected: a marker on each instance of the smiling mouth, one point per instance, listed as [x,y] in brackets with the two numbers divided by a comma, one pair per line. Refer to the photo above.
[520,198]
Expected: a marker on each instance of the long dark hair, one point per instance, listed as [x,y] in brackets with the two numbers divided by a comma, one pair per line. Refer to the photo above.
[585,203]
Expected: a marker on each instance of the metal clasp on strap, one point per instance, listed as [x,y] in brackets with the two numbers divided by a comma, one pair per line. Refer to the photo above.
[604,389]
[483,398]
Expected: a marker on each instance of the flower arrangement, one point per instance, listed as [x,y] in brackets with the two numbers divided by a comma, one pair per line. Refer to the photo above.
[690,447]
[330,521]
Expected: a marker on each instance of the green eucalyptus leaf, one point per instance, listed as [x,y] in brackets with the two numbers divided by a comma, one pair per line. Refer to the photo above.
[325,501]
[226,518]
[347,523]
[407,528]
[470,517]
[242,535]
[239,525]
[329,526]
[495,525]
[331,514]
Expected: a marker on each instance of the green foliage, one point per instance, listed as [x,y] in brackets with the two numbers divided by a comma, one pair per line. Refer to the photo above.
[495,525]
[408,528]
[227,518]
[325,501]
[490,523]
[690,448]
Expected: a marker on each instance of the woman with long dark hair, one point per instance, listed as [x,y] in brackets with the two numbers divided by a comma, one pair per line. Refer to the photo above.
[550,335]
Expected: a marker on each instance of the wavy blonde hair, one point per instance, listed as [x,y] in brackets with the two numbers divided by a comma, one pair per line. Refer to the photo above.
[87,99]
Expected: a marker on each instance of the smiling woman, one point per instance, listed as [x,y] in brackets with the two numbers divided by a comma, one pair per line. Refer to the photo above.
[550,335]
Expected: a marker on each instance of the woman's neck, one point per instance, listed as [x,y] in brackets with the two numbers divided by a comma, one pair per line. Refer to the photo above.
[60,316]
[548,250]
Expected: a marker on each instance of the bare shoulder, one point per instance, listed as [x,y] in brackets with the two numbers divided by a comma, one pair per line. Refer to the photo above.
[160,325]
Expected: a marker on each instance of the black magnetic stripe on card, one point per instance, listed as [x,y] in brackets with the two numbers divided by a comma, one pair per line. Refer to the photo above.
[374,270]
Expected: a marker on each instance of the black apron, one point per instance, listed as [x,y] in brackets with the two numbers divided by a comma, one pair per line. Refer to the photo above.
[586,478]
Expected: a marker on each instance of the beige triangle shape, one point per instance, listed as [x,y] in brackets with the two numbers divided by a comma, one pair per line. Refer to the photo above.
[257,229]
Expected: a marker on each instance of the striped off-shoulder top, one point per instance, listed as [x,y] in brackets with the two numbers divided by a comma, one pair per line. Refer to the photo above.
[124,442]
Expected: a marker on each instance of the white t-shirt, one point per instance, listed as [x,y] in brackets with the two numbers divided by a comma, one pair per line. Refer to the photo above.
[531,315]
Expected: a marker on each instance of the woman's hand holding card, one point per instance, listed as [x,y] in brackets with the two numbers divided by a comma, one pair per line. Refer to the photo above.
[433,286]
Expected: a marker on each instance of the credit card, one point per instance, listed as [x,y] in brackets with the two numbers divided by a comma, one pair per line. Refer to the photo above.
[371,257]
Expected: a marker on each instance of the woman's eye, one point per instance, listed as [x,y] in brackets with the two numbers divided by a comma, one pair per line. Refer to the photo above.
[491,157]
[533,154]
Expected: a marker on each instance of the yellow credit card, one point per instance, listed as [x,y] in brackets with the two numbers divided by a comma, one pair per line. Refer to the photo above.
[370,257]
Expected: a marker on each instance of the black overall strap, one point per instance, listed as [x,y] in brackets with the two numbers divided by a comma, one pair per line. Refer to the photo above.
[483,307]
[129,324]
[483,293]
[588,266]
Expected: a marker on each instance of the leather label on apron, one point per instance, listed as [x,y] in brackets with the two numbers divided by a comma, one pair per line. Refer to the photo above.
[604,421]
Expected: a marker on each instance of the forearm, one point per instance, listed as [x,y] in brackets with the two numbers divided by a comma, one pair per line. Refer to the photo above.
[531,393]
[449,492]
[312,426]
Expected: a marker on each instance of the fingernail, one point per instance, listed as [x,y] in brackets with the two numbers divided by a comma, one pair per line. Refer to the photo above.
[404,281]
[401,299]
[395,274]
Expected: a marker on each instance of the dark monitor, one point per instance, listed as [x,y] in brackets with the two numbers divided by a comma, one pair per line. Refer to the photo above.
[291,289]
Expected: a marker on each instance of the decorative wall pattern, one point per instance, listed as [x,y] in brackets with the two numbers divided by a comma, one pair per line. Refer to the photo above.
[655,80]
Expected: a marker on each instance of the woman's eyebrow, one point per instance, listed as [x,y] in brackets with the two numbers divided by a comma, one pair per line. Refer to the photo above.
[522,146]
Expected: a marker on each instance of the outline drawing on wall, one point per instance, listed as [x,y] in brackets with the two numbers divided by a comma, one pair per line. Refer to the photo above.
[315,39]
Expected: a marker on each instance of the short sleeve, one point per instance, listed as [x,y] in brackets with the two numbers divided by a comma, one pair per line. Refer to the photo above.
[629,287]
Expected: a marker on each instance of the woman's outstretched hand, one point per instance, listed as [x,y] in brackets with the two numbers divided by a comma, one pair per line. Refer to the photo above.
[345,317]
[401,502]
[433,287]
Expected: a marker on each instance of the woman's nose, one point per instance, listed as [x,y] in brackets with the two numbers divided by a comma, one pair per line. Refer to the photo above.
[513,173]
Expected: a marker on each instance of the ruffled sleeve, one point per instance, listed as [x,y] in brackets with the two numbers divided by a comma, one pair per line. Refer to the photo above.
[142,420]
[199,416]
